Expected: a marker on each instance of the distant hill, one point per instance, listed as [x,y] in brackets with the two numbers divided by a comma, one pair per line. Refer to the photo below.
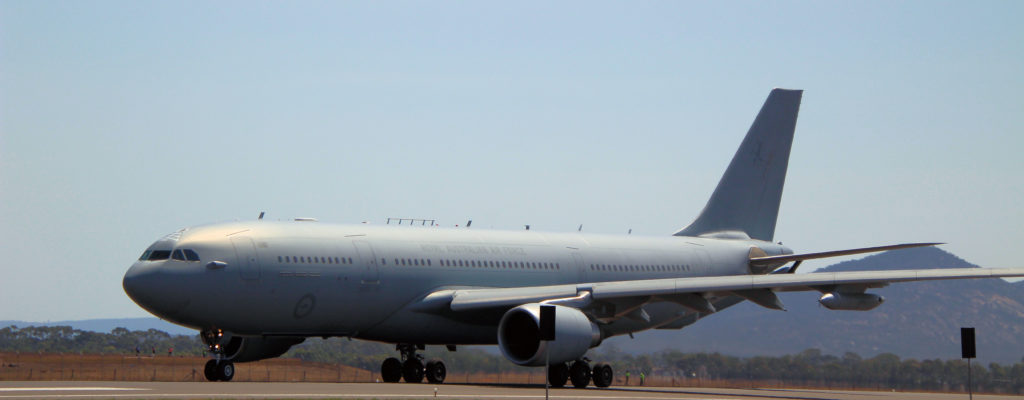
[107,325]
[918,320]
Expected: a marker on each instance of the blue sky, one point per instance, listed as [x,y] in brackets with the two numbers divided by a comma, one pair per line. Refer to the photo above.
[124,121]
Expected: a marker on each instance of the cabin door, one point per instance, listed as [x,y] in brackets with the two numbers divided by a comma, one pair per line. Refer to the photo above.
[371,274]
[581,269]
[248,262]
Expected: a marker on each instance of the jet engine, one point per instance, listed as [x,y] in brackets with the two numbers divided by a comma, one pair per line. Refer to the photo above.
[519,335]
[243,349]
[851,301]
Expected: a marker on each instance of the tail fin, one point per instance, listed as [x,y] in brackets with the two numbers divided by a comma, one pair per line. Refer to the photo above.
[747,198]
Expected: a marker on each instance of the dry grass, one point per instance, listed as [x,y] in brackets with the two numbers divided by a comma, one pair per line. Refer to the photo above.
[45,367]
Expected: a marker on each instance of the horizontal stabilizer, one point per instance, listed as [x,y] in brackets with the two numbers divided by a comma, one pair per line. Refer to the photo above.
[778,260]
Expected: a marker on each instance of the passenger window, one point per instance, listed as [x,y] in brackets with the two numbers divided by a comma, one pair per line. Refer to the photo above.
[178,255]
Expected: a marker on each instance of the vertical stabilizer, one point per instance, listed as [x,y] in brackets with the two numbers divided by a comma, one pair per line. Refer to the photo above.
[748,195]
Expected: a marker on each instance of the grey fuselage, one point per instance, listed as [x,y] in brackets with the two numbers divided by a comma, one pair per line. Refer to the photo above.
[301,278]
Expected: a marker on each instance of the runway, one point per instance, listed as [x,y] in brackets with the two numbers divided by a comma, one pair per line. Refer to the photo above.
[262,390]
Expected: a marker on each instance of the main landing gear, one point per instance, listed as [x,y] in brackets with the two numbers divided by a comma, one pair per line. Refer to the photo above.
[580,373]
[411,367]
[217,369]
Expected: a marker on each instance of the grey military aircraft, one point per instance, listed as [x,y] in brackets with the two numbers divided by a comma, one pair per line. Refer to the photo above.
[254,289]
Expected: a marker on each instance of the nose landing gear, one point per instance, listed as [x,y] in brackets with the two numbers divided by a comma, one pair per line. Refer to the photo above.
[411,368]
[217,369]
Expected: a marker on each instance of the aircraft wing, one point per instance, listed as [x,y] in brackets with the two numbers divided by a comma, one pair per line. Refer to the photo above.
[757,288]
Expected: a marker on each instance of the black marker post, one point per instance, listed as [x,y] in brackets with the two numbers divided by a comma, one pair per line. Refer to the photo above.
[547,334]
[968,351]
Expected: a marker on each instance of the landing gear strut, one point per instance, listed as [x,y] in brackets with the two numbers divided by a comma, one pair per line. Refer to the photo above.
[411,368]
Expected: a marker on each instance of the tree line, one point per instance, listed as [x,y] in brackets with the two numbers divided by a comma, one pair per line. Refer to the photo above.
[811,367]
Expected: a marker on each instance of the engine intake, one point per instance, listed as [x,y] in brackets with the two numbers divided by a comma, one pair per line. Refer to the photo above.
[519,335]
[851,301]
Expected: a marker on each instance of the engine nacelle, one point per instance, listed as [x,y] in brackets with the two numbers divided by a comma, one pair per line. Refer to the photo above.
[519,335]
[243,349]
[851,301]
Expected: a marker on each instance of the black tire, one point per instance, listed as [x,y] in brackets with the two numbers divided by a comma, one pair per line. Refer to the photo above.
[412,371]
[391,370]
[226,370]
[558,374]
[579,374]
[210,371]
[436,371]
[603,375]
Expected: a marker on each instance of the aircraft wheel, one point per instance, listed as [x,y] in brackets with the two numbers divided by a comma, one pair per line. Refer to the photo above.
[579,374]
[436,372]
[558,374]
[210,371]
[412,370]
[603,375]
[391,370]
[226,370]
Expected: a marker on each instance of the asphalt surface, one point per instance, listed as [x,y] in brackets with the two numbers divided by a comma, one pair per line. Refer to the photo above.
[261,390]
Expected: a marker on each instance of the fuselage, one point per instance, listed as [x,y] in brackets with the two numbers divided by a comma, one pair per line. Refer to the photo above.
[301,278]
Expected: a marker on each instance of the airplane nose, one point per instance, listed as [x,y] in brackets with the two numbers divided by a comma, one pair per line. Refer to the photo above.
[152,289]
[130,282]
[135,283]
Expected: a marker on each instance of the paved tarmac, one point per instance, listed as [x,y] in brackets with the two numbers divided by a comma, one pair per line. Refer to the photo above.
[261,390]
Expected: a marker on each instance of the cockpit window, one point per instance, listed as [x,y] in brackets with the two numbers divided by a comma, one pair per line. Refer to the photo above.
[144,256]
[157,255]
[185,255]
